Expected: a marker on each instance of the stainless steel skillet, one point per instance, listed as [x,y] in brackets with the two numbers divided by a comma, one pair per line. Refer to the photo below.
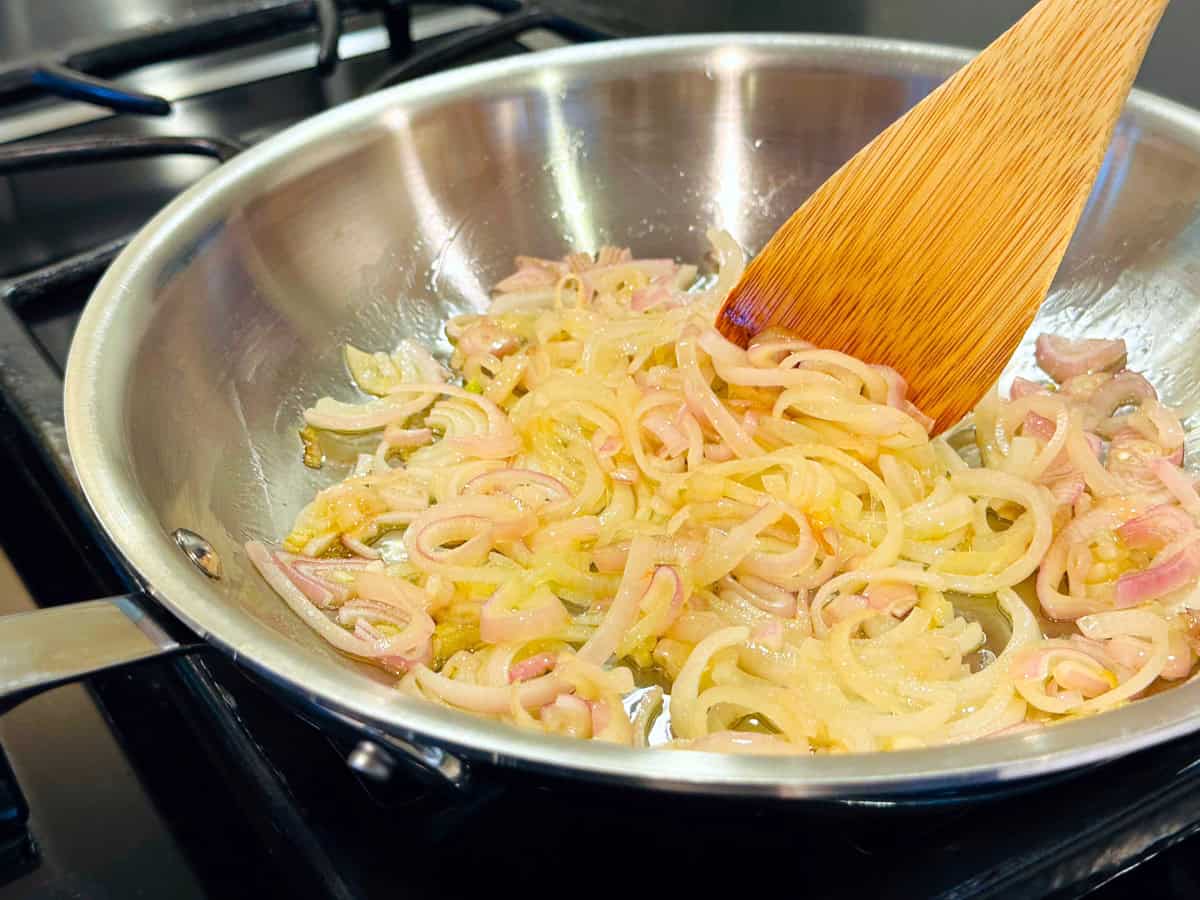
[379,219]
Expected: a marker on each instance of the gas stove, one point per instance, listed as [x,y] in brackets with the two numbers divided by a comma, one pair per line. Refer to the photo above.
[186,778]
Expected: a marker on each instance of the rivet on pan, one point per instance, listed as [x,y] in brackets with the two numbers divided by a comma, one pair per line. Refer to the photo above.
[371,760]
[199,551]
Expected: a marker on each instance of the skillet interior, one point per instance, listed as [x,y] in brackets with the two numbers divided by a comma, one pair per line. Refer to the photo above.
[379,219]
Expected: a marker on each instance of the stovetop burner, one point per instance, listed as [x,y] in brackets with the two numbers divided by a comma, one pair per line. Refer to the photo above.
[261,801]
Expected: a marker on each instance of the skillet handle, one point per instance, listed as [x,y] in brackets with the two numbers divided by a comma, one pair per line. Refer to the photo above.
[47,647]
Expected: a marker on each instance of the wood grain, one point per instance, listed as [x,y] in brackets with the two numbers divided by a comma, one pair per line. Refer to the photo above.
[932,248]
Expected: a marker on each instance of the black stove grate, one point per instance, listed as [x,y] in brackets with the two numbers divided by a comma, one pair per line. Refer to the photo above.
[516,23]
[73,73]
[26,288]
[83,71]
[80,71]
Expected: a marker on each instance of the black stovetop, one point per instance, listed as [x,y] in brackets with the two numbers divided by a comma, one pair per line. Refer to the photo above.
[186,778]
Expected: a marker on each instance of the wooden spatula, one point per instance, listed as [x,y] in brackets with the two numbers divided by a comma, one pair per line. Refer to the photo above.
[931,249]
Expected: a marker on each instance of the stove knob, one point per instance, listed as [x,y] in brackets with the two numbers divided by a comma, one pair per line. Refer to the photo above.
[371,761]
